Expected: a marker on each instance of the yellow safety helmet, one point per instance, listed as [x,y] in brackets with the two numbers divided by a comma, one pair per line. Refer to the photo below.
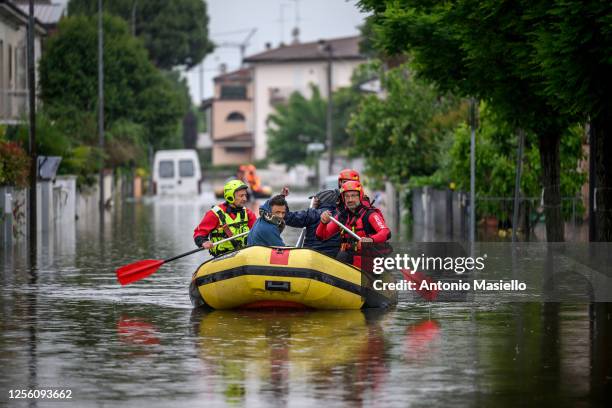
[230,188]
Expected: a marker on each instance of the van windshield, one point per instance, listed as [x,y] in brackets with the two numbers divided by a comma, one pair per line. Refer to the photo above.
[186,168]
[166,169]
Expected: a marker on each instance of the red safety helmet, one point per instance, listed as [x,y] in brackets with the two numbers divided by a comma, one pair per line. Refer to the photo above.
[352,185]
[348,174]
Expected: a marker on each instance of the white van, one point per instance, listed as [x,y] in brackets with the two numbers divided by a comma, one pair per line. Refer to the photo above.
[176,172]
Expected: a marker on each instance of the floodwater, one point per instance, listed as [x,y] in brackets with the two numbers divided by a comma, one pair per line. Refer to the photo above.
[66,324]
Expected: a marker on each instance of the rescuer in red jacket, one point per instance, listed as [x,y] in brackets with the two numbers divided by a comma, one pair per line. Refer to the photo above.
[363,219]
[225,220]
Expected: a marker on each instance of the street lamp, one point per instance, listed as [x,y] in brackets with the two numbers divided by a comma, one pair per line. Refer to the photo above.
[326,47]
[315,149]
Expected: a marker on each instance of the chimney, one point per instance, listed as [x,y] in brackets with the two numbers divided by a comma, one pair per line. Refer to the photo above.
[268,46]
[222,68]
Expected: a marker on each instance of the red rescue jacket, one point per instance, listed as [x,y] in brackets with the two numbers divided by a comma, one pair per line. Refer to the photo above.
[365,222]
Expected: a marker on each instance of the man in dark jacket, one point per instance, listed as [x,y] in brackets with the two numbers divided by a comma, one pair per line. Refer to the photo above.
[270,224]
[324,201]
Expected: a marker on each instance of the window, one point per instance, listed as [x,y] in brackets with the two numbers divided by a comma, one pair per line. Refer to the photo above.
[20,68]
[166,169]
[237,150]
[233,92]
[235,117]
[186,168]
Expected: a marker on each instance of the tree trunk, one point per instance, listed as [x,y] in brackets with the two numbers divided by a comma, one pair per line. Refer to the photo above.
[551,180]
[602,138]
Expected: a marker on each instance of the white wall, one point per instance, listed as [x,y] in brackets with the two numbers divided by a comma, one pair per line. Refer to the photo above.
[291,77]
[13,91]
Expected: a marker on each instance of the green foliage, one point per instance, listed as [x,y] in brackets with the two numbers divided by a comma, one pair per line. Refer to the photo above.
[493,50]
[50,139]
[53,138]
[570,47]
[476,49]
[83,162]
[399,135]
[164,105]
[14,165]
[124,144]
[301,121]
[496,163]
[134,91]
[174,32]
[69,68]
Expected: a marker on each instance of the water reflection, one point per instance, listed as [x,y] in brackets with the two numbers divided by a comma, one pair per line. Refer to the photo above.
[275,353]
[137,331]
[65,323]
[422,340]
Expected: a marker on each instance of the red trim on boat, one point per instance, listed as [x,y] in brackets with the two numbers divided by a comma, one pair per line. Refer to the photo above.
[279,256]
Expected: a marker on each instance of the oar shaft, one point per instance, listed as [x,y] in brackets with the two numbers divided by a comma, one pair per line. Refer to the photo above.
[344,227]
[185,254]
[202,248]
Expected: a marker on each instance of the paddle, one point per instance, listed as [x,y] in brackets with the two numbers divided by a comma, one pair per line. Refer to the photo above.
[141,269]
[344,227]
[418,278]
[414,276]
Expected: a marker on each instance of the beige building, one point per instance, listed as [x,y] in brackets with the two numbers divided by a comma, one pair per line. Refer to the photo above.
[229,117]
[13,61]
[278,72]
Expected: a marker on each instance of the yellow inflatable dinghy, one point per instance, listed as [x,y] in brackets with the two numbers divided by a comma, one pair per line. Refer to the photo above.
[263,277]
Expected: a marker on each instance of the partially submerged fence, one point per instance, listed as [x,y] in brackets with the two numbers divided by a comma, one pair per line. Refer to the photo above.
[444,215]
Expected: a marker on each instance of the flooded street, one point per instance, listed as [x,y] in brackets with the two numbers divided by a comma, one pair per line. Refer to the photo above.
[66,324]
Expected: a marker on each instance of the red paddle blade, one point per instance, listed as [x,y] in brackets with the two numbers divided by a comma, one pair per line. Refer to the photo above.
[418,278]
[137,270]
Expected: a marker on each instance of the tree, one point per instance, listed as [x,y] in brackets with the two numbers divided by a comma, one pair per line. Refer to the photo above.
[480,49]
[300,121]
[570,44]
[174,32]
[399,134]
[134,89]
[496,163]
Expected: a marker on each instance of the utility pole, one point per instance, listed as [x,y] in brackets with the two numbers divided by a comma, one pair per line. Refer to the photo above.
[133,18]
[517,182]
[330,142]
[472,171]
[201,74]
[101,108]
[32,131]
[241,46]
[282,22]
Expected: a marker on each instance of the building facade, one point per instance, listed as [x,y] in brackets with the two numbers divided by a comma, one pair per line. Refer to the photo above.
[13,61]
[229,117]
[279,72]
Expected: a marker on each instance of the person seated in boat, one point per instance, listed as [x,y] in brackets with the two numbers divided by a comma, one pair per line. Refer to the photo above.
[329,200]
[359,216]
[271,222]
[350,175]
[325,200]
[226,220]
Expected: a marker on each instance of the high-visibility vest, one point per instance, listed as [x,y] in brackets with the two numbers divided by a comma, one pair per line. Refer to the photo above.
[228,226]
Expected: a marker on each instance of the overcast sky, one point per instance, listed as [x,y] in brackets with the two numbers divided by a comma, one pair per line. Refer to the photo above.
[317,19]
